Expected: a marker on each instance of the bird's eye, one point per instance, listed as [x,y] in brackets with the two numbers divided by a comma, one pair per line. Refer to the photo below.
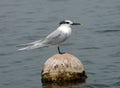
[67,22]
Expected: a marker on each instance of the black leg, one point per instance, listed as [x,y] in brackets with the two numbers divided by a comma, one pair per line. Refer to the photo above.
[60,51]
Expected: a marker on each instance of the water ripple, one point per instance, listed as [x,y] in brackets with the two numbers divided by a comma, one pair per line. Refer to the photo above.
[117,54]
[116,84]
[4,66]
[87,48]
[100,85]
[95,86]
[108,31]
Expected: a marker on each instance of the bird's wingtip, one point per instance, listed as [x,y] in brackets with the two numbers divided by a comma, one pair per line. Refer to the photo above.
[22,49]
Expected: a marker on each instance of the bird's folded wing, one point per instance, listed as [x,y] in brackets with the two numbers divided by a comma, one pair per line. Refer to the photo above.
[55,37]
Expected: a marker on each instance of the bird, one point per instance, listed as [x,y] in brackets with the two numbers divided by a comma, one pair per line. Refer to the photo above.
[54,39]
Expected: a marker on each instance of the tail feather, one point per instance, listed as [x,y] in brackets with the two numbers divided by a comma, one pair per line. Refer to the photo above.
[32,45]
[28,44]
[29,47]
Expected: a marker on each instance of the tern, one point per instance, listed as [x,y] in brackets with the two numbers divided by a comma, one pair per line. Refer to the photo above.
[54,39]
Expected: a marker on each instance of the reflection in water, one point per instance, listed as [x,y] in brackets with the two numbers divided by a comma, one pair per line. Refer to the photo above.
[62,84]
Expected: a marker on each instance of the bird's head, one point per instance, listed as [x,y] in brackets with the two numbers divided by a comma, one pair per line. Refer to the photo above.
[68,22]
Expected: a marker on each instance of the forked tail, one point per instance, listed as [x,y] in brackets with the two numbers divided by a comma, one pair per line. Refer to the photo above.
[29,47]
[33,45]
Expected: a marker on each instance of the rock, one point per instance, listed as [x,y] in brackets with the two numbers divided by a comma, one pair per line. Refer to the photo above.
[63,67]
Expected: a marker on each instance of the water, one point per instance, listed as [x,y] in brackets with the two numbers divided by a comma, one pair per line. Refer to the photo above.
[96,42]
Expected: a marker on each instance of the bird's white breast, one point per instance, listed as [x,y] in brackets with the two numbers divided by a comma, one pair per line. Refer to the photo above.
[65,29]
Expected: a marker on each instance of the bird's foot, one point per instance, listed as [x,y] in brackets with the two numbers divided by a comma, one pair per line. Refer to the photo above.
[61,52]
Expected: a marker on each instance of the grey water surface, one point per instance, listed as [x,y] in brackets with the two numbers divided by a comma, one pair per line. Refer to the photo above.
[96,42]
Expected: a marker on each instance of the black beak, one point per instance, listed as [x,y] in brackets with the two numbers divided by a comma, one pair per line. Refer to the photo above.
[76,24]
